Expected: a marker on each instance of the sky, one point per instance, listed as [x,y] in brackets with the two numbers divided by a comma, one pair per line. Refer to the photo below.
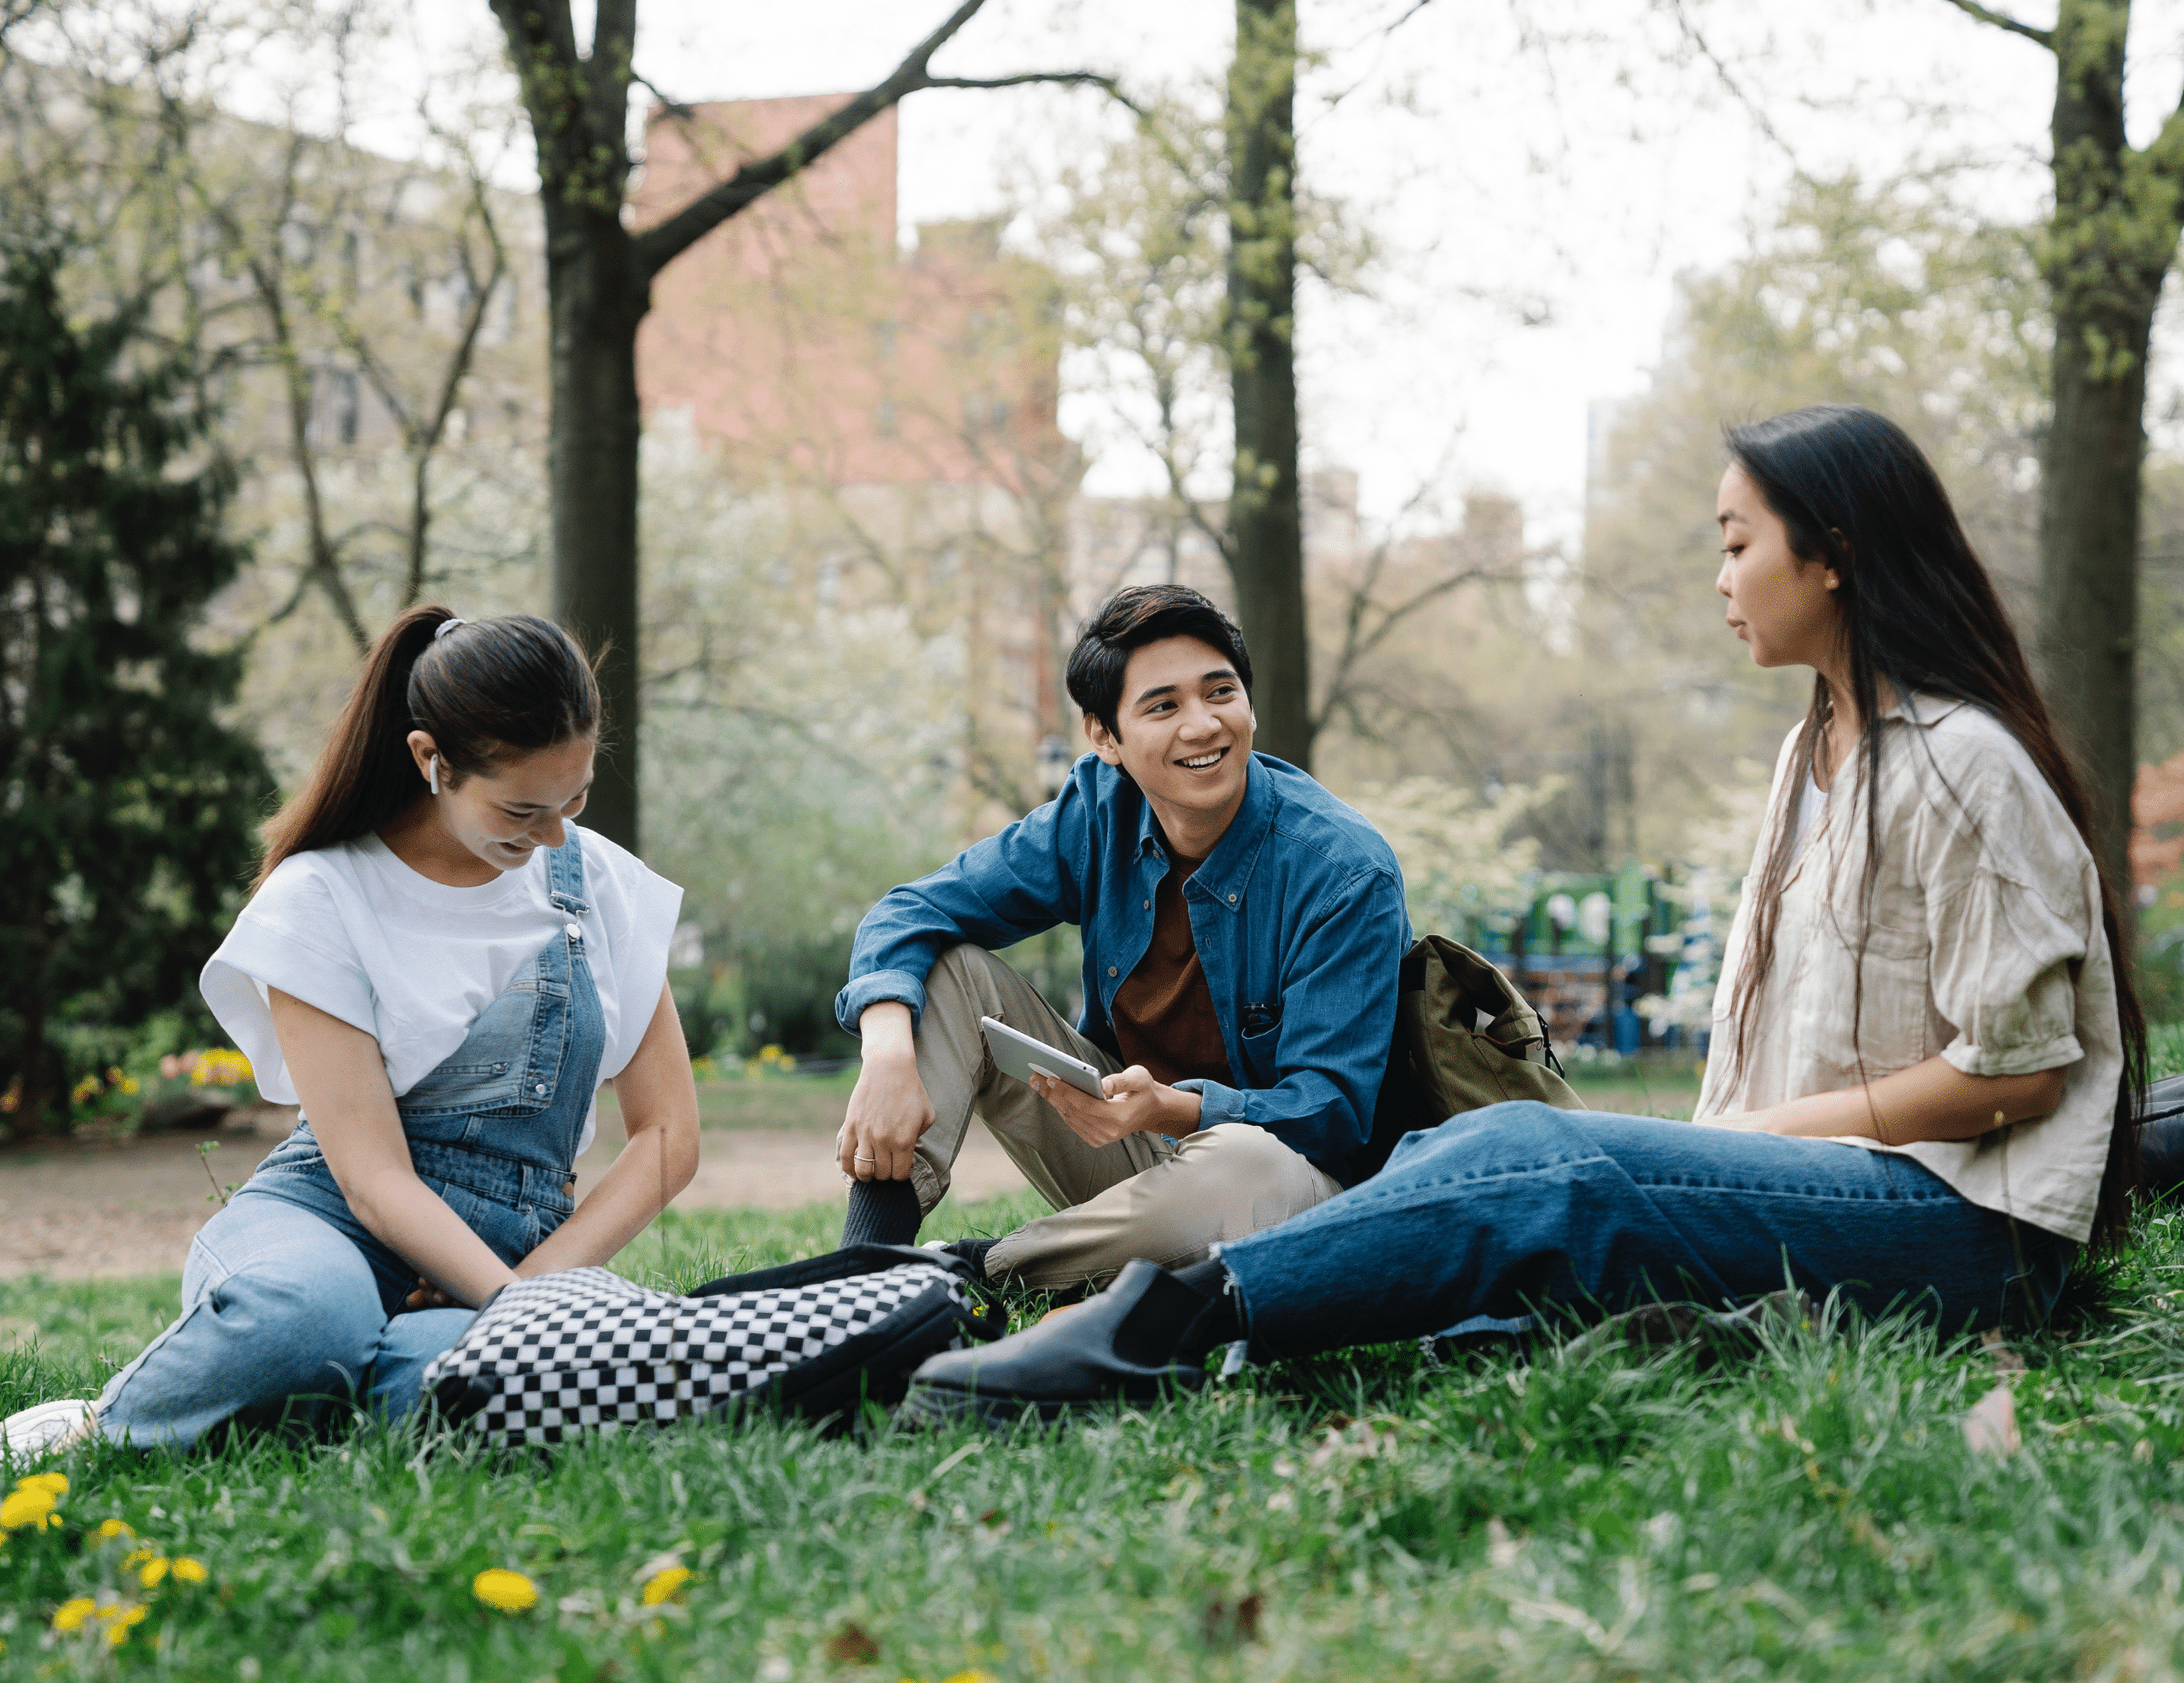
[1536,173]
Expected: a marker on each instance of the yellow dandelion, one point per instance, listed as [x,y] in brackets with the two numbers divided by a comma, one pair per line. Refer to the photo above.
[28,1507]
[975,1674]
[510,1591]
[111,1528]
[131,1086]
[187,1569]
[118,1616]
[71,1615]
[152,1571]
[137,1556]
[662,1585]
[55,1482]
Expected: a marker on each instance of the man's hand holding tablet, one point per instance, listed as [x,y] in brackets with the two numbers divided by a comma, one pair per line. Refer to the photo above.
[1099,1110]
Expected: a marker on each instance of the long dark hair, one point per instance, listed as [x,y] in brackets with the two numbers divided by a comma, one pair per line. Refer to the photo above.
[1920,615]
[490,691]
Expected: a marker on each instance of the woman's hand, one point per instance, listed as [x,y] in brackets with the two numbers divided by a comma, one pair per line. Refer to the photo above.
[889,1110]
[427,1296]
[1136,1104]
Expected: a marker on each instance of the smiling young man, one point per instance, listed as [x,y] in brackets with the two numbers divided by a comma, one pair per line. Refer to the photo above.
[1242,930]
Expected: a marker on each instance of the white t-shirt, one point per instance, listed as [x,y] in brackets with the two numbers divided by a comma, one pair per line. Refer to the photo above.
[412,962]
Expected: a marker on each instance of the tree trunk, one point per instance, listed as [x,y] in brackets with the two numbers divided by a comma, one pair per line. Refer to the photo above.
[2109,247]
[31,1096]
[2088,568]
[598,297]
[1265,517]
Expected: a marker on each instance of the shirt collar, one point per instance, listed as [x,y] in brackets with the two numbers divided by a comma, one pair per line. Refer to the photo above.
[1227,872]
[1924,710]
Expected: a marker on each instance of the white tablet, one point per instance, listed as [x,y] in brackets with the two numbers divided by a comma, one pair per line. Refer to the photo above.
[1019,1055]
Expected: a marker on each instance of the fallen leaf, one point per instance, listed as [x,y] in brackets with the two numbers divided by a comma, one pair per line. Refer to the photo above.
[1990,1429]
[1227,1626]
[2005,1360]
[852,1645]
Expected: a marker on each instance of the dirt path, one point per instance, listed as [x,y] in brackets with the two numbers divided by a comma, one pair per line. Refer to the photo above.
[130,1207]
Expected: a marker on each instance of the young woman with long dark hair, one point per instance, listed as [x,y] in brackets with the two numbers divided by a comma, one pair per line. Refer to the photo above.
[1925,1048]
[441,969]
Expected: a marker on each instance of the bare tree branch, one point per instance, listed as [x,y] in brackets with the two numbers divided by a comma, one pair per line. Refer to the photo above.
[679,110]
[664,241]
[421,434]
[1753,108]
[1068,78]
[1973,9]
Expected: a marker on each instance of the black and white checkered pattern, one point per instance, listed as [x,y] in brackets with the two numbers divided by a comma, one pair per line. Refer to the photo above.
[585,1351]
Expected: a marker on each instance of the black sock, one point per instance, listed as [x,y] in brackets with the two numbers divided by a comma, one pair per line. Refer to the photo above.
[1208,1279]
[882,1212]
[973,1252]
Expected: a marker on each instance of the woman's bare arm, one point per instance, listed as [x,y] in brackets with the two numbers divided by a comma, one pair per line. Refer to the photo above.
[341,1078]
[659,1100]
[1931,1101]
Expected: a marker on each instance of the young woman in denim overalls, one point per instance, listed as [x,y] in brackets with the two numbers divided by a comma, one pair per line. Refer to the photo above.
[441,969]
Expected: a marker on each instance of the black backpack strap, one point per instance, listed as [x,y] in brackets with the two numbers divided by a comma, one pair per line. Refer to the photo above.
[854,1259]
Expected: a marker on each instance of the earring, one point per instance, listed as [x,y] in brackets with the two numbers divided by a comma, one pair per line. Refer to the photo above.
[435,774]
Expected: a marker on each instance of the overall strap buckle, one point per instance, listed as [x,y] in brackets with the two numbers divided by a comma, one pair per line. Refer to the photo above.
[565,875]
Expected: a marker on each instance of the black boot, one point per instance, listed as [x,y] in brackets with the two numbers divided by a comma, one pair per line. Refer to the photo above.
[1147,1334]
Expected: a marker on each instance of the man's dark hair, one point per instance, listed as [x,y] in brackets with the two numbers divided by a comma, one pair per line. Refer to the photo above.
[1129,620]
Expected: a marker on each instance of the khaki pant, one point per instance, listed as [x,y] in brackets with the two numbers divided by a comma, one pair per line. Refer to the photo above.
[1140,1196]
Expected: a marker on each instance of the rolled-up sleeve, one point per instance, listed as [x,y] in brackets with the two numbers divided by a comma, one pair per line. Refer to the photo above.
[1005,889]
[2005,973]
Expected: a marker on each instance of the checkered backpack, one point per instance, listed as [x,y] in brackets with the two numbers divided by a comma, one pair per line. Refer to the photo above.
[585,1351]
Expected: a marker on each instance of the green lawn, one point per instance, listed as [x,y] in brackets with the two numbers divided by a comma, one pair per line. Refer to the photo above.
[1547,1514]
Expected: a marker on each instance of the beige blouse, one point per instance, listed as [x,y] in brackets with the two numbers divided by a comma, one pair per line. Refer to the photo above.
[1986,947]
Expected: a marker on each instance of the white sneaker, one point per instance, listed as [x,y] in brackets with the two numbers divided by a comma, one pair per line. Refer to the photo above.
[47,1428]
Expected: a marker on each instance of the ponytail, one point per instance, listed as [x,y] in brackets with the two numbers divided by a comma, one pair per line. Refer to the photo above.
[488,691]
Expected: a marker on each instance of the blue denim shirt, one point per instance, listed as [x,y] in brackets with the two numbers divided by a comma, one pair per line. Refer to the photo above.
[1298,915]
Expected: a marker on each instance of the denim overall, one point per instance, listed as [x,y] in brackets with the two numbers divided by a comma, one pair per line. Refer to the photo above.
[286,1294]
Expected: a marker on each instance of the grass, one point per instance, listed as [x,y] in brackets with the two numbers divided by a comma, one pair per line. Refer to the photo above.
[1545,1513]
[799,1101]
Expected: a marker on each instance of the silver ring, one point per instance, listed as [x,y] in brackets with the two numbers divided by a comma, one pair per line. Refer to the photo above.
[862,1157]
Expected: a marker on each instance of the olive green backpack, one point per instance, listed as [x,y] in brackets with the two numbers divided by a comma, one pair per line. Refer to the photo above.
[1465,1038]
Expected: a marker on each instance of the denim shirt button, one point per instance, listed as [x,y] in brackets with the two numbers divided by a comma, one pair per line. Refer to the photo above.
[1111,970]
[540,1089]
[1232,899]
[576,929]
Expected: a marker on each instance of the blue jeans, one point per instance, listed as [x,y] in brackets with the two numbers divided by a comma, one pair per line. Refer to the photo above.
[1519,1207]
[283,1316]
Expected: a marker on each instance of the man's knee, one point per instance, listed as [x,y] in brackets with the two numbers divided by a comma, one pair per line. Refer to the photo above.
[1243,1151]
[1244,1157]
[963,968]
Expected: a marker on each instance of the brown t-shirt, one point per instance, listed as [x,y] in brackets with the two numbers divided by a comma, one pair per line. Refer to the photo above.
[1164,1012]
